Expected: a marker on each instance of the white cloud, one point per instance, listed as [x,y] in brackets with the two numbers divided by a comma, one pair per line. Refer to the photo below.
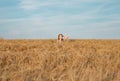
[37,4]
[28,4]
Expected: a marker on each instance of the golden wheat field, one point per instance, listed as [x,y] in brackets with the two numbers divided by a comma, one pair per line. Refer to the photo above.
[45,60]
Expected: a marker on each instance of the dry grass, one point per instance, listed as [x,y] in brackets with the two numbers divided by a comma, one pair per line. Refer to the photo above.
[44,60]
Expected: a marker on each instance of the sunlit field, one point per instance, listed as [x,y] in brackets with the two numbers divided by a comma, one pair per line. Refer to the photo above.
[45,60]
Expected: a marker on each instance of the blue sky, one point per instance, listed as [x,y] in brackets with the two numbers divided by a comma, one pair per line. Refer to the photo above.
[39,19]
